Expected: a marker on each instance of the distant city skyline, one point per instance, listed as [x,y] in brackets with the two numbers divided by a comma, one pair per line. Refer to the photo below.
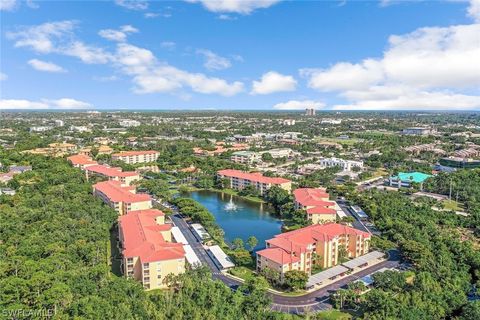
[240,55]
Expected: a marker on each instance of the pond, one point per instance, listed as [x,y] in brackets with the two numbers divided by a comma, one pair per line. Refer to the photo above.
[238,217]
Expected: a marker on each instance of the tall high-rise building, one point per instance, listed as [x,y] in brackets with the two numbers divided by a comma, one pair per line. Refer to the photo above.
[310,112]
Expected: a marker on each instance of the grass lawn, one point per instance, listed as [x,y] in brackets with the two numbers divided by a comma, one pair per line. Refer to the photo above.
[452,205]
[333,315]
[242,272]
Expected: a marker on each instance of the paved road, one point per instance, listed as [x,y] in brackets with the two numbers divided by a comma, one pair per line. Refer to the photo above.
[313,301]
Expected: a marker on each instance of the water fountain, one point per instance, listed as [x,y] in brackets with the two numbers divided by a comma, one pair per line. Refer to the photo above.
[230,206]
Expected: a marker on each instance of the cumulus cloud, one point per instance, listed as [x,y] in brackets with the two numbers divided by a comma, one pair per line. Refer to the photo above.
[299,105]
[148,74]
[8,5]
[137,5]
[235,6]
[213,61]
[474,10]
[151,75]
[45,66]
[57,37]
[272,82]
[117,35]
[63,103]
[427,68]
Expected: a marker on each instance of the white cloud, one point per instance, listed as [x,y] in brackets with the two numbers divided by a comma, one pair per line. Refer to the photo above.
[45,66]
[117,35]
[434,67]
[169,45]
[474,10]
[235,6]
[345,76]
[57,37]
[42,38]
[137,5]
[415,100]
[226,17]
[8,5]
[273,82]
[299,105]
[63,103]
[150,75]
[3,76]
[32,5]
[213,61]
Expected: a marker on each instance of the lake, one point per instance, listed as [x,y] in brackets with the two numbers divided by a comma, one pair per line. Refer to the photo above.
[238,217]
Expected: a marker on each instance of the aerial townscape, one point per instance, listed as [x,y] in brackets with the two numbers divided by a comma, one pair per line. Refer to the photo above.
[362,202]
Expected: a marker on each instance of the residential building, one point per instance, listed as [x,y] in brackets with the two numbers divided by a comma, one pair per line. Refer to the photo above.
[345,165]
[81,161]
[316,203]
[115,174]
[288,122]
[459,163]
[417,131]
[310,112]
[121,198]
[241,179]
[40,128]
[281,153]
[405,179]
[59,123]
[245,157]
[133,157]
[129,123]
[318,244]
[148,253]
[104,149]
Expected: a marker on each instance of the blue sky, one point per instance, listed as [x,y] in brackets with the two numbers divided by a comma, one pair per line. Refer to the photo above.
[231,54]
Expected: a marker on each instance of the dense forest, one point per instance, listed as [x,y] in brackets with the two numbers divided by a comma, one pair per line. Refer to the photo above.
[54,255]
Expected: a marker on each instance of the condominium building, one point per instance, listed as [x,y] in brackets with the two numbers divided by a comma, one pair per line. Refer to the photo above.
[116,174]
[133,157]
[245,157]
[345,165]
[148,253]
[417,131]
[322,245]
[81,161]
[241,179]
[316,203]
[121,198]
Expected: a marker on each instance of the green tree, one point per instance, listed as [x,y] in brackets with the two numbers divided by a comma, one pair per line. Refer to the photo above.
[252,242]
[295,279]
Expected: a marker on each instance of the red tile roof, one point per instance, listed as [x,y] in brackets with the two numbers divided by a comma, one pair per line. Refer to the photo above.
[142,237]
[118,193]
[254,177]
[110,172]
[278,255]
[134,153]
[297,241]
[311,197]
[321,210]
[80,159]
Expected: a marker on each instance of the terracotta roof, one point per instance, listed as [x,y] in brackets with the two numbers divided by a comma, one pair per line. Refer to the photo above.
[142,237]
[311,196]
[321,210]
[111,172]
[254,177]
[278,255]
[297,241]
[134,153]
[80,159]
[118,193]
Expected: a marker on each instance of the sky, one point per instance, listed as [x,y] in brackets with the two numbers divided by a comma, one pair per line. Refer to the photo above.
[240,54]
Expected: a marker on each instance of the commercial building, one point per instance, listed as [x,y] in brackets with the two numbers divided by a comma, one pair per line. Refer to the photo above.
[459,163]
[149,255]
[316,203]
[245,157]
[121,198]
[129,123]
[241,179]
[133,157]
[405,179]
[322,245]
[345,165]
[281,153]
[116,174]
[310,112]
